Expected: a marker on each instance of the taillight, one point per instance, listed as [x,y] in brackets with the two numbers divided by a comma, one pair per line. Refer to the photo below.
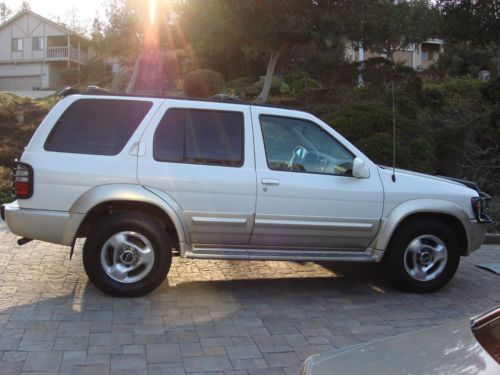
[23,180]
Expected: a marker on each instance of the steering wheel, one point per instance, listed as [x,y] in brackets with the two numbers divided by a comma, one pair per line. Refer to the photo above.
[296,157]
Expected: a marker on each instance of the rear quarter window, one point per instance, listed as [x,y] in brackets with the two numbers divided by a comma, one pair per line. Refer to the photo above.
[97,126]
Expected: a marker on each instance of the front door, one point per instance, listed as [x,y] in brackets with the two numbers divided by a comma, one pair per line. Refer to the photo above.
[306,194]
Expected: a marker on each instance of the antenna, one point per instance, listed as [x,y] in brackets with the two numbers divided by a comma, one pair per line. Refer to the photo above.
[393,135]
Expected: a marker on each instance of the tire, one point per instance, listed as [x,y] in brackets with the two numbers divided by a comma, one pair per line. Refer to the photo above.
[420,245]
[127,254]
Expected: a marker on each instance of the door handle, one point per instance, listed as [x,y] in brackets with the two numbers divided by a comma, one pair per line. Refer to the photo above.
[269,181]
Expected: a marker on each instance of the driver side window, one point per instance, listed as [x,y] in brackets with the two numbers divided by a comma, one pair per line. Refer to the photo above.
[295,145]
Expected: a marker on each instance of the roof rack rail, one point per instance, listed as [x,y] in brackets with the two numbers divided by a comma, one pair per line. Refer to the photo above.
[91,90]
[225,98]
[68,91]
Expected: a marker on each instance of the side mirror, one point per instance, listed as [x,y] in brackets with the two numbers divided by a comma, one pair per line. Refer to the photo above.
[360,169]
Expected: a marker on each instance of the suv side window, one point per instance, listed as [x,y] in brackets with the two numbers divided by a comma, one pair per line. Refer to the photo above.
[296,145]
[199,136]
[97,126]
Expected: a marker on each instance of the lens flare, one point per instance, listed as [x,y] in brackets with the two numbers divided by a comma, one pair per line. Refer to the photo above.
[152,10]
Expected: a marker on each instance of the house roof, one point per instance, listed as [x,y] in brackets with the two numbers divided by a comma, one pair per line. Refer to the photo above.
[41,18]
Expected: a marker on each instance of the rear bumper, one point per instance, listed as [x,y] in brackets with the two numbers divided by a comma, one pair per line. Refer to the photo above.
[51,226]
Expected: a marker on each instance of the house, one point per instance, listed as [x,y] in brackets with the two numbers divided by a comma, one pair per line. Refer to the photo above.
[419,56]
[35,50]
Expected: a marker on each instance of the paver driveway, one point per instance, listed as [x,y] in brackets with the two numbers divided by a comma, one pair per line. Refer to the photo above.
[210,316]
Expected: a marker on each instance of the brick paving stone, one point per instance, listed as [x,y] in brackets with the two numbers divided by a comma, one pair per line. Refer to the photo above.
[207,364]
[43,361]
[85,370]
[161,353]
[224,317]
[14,356]
[74,357]
[218,341]
[286,359]
[10,368]
[74,329]
[71,343]
[249,363]
[191,350]
[272,344]
[243,352]
[134,362]
[175,368]
[214,350]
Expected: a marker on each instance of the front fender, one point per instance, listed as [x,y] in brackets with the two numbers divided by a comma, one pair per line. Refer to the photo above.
[419,206]
[130,193]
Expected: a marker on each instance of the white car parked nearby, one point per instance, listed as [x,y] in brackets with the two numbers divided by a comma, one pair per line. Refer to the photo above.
[147,178]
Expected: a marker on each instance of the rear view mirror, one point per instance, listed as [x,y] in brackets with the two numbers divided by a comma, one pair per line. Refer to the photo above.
[360,169]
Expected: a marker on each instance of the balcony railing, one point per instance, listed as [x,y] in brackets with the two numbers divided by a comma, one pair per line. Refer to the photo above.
[61,53]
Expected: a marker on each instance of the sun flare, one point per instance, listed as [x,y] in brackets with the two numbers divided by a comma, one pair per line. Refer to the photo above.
[152,10]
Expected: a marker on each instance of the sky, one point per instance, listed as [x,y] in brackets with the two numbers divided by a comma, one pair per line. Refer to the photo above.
[80,12]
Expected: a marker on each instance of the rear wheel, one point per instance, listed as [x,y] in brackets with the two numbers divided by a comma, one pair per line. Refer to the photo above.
[127,254]
[423,255]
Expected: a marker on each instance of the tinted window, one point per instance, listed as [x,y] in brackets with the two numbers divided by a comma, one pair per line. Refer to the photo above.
[296,145]
[200,137]
[97,126]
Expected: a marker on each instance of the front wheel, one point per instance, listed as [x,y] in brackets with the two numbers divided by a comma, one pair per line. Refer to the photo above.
[423,256]
[127,254]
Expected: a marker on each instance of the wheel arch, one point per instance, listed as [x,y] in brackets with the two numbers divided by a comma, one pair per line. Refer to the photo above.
[107,199]
[447,212]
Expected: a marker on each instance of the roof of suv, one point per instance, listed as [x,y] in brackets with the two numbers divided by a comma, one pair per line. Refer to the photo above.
[219,98]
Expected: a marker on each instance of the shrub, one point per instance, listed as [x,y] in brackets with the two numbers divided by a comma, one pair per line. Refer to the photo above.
[6,192]
[378,147]
[433,97]
[305,85]
[491,90]
[359,120]
[275,85]
[243,87]
[240,83]
[203,83]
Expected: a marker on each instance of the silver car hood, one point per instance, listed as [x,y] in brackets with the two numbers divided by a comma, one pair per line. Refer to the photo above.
[451,349]
[406,172]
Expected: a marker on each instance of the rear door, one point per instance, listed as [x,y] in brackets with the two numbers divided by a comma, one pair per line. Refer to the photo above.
[201,156]
[306,195]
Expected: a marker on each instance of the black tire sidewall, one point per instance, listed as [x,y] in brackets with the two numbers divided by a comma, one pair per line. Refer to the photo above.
[394,259]
[119,222]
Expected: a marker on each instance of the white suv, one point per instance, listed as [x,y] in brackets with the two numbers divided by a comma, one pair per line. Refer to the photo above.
[147,178]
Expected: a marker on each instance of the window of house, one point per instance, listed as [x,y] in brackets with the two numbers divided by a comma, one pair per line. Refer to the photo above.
[17,44]
[198,136]
[295,145]
[97,126]
[38,43]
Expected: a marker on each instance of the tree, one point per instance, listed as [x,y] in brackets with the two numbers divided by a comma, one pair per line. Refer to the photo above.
[476,21]
[261,27]
[5,12]
[122,34]
[388,26]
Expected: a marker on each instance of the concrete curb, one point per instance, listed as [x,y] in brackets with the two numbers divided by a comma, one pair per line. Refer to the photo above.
[492,239]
